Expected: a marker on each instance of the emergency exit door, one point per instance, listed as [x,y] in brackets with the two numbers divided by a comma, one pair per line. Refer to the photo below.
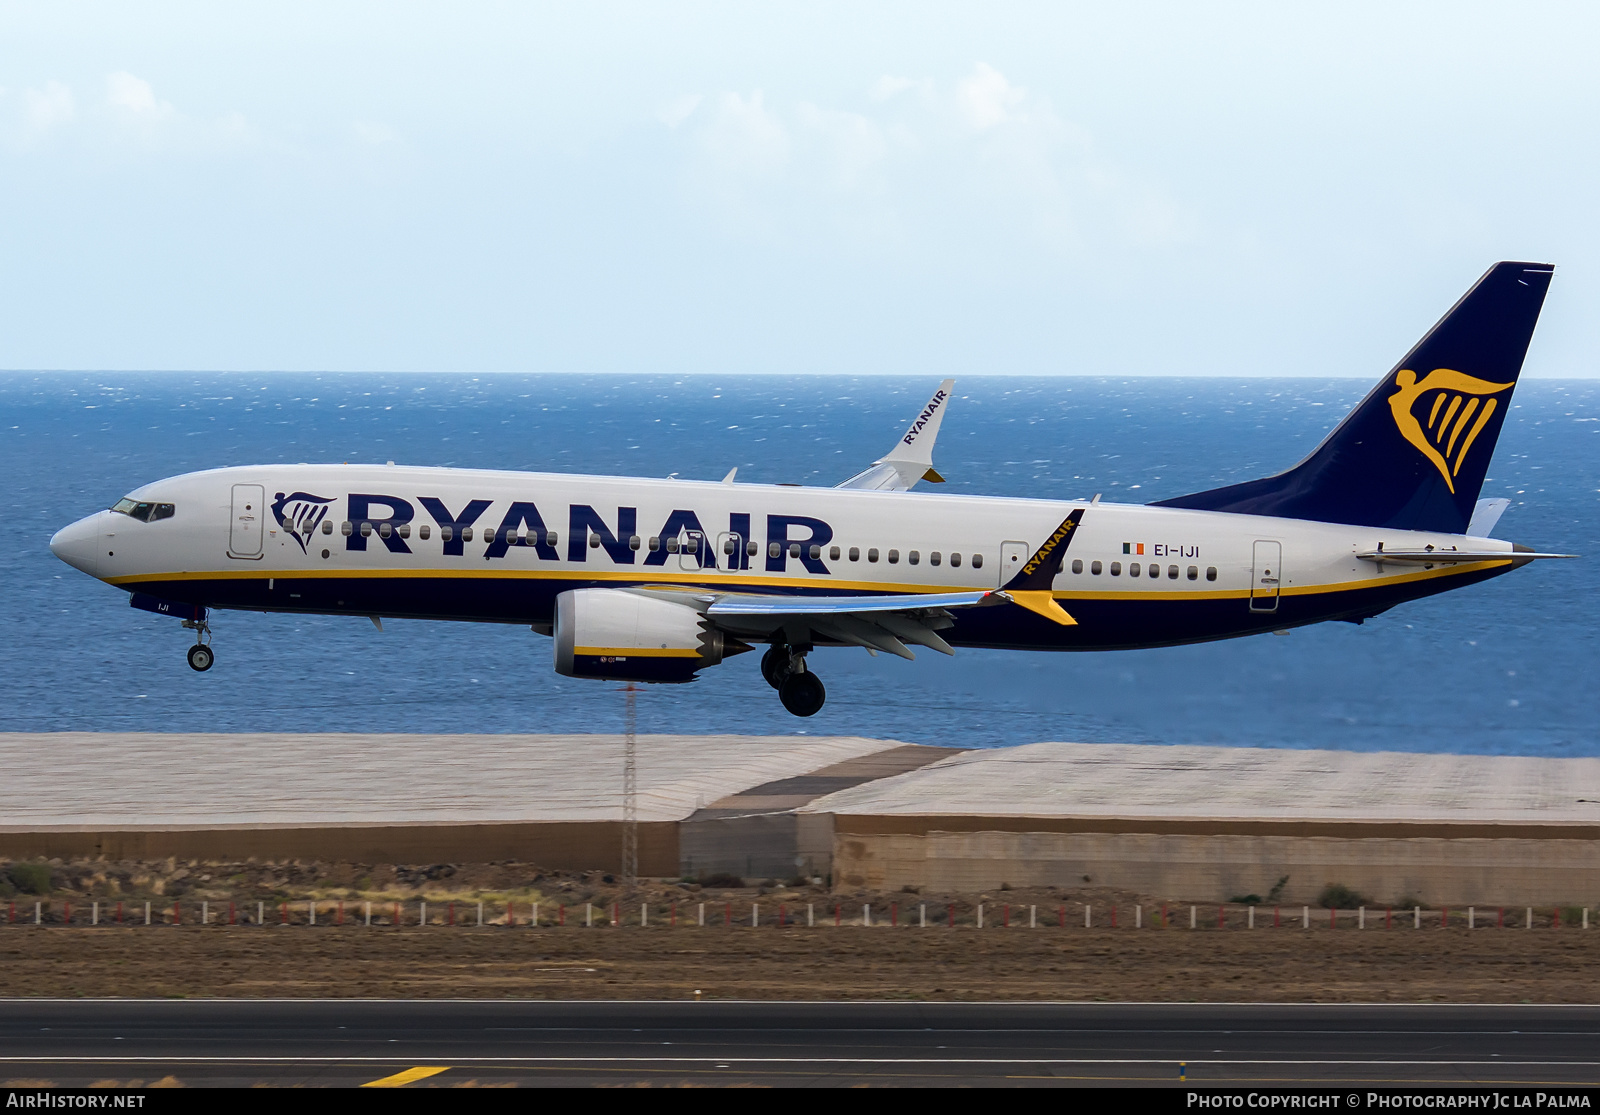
[1012,557]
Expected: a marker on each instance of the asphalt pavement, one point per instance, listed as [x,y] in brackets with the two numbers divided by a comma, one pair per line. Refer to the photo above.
[433,1043]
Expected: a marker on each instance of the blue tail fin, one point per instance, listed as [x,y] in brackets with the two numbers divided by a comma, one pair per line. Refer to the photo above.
[1413,454]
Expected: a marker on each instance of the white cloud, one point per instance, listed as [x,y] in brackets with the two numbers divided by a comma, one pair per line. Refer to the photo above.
[986,99]
[744,137]
[914,161]
[887,87]
[49,107]
[852,145]
[679,109]
[133,95]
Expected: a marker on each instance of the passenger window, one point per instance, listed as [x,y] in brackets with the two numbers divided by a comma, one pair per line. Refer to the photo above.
[550,536]
[346,529]
[1194,573]
[422,531]
[794,549]
[655,543]
[445,533]
[327,528]
[634,542]
[774,549]
[1133,569]
[894,557]
[872,553]
[955,561]
[672,545]
[384,530]
[833,553]
[933,558]
[1095,567]
[752,548]
[855,553]
[728,545]
[1077,565]
[404,530]
[366,529]
[1116,569]
[594,541]
[466,534]
[1211,572]
[1172,572]
[816,552]
[977,561]
[913,557]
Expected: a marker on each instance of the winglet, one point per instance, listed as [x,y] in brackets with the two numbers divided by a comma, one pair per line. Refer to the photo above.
[912,457]
[1038,600]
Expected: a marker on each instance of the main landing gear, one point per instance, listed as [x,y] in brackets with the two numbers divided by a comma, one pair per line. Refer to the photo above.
[200,656]
[800,690]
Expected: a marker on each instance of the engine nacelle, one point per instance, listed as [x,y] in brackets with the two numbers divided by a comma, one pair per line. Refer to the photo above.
[612,634]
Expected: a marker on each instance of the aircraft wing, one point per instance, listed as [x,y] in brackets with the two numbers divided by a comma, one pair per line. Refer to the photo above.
[884,623]
[912,457]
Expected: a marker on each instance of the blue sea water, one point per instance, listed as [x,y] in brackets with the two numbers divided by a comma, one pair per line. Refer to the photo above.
[1508,667]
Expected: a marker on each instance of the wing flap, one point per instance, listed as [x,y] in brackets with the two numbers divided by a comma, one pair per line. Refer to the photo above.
[750,605]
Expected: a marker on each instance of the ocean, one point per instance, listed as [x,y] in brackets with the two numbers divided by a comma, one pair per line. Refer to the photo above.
[1507,667]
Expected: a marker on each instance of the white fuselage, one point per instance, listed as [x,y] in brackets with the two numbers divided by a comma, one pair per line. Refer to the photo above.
[433,542]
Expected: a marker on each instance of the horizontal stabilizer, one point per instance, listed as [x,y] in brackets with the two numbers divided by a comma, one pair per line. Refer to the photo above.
[1453,556]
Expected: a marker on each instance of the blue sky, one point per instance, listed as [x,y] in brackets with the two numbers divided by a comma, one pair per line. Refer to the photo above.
[939,189]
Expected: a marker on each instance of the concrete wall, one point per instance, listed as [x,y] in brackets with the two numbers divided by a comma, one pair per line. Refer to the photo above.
[574,846]
[762,846]
[1217,867]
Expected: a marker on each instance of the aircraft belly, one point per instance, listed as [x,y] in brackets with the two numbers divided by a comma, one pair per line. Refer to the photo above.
[1103,623]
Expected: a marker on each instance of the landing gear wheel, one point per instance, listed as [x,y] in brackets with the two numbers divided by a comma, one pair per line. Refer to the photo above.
[802,694]
[775,665]
[200,657]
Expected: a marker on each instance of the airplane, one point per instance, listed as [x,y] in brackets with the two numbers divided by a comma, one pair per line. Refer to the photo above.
[650,580]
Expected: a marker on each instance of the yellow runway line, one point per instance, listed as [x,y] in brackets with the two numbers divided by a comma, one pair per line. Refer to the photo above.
[401,1079]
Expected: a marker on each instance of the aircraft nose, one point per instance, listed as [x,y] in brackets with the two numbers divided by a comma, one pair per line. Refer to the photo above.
[79,544]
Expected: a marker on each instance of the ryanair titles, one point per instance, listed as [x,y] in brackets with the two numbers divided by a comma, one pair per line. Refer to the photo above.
[390,521]
[938,400]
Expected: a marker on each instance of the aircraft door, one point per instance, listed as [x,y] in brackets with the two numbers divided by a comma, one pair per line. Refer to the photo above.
[1012,555]
[694,551]
[1265,576]
[249,512]
[731,546]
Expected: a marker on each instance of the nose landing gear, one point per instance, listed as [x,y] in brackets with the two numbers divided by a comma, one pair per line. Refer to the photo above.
[801,691]
[200,655]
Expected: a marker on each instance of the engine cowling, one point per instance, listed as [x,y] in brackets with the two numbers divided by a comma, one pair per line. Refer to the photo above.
[609,633]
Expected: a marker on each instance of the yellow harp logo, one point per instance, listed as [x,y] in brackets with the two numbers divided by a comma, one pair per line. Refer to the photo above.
[1460,409]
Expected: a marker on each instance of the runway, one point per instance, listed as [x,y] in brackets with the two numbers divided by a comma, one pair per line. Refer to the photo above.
[423,1043]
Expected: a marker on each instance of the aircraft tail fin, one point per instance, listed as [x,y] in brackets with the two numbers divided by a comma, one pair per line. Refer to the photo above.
[912,457]
[1413,454]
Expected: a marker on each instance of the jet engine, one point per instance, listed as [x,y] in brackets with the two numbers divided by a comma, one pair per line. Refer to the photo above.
[614,634]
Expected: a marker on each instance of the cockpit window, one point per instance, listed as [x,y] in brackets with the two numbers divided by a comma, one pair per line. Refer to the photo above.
[145,512]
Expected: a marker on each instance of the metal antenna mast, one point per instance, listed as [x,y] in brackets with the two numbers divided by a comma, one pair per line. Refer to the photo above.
[630,790]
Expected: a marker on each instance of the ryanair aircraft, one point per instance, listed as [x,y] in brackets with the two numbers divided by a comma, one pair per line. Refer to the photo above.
[655,580]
